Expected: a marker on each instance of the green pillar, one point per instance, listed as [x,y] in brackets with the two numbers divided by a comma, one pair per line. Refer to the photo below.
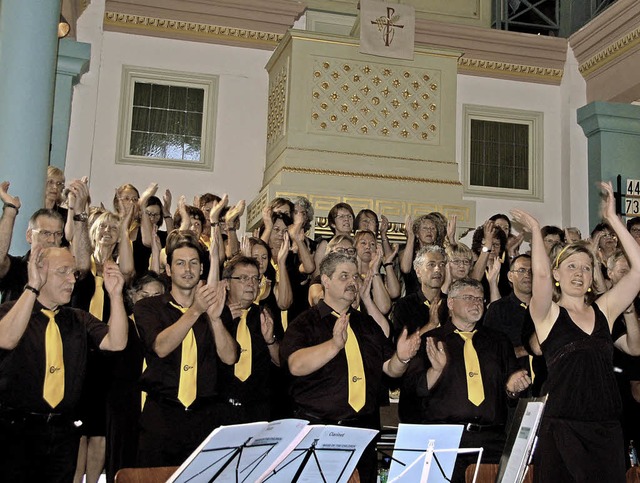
[28,46]
[73,61]
[613,133]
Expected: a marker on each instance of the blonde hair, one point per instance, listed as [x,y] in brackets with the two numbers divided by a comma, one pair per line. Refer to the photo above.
[560,253]
[106,217]
[460,249]
[336,240]
[55,171]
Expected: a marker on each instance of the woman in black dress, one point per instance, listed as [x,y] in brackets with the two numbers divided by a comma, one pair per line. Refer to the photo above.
[580,437]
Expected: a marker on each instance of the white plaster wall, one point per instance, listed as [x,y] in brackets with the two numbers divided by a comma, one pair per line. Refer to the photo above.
[562,153]
[241,115]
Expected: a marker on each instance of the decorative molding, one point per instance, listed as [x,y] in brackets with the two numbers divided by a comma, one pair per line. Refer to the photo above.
[378,156]
[611,52]
[354,174]
[492,66]
[190,29]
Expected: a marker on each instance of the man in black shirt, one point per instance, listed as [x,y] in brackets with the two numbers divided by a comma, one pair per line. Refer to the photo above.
[448,382]
[508,313]
[38,439]
[325,344]
[245,387]
[421,311]
[181,383]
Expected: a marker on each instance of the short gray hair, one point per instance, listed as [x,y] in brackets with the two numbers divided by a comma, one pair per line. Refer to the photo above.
[332,260]
[463,283]
[424,251]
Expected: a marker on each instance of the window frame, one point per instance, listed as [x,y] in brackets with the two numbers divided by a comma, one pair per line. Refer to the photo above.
[210,84]
[535,121]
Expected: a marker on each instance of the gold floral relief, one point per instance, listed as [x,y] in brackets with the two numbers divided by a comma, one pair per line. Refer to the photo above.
[374,90]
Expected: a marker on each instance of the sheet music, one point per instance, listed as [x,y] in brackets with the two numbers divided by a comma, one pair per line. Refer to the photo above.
[416,437]
[338,449]
[265,445]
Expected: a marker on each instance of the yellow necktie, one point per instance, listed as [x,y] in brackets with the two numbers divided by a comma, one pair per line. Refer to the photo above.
[475,389]
[355,369]
[277,269]
[97,301]
[242,369]
[53,388]
[187,387]
[261,291]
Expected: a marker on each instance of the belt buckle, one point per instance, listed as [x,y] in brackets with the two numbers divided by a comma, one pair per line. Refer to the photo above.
[472,427]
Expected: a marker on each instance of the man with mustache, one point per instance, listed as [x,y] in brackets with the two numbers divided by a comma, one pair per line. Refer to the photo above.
[419,312]
[183,337]
[465,375]
[43,360]
[337,356]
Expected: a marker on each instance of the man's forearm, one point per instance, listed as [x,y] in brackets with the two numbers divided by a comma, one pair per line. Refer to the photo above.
[6,232]
[305,361]
[116,338]
[14,323]
[226,346]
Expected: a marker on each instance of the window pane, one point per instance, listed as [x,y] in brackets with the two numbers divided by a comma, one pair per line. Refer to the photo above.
[140,119]
[195,100]
[499,154]
[194,124]
[192,148]
[175,122]
[178,98]
[142,94]
[158,121]
[159,96]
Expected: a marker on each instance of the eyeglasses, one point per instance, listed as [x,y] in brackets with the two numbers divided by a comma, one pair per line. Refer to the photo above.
[65,272]
[344,217]
[49,234]
[152,215]
[131,199]
[57,184]
[458,262]
[247,278]
[635,231]
[470,299]
[610,235]
[348,251]
[522,271]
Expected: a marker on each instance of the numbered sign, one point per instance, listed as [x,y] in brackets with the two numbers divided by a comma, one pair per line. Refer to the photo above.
[632,198]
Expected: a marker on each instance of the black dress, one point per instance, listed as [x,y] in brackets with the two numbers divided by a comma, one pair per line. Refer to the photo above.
[580,437]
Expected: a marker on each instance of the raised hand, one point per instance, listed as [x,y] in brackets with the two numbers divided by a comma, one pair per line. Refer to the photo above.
[37,268]
[78,195]
[284,248]
[166,202]
[266,325]
[436,354]
[113,278]
[408,227]
[266,217]
[451,229]
[217,207]
[528,222]
[245,246]
[376,259]
[216,301]
[146,194]
[408,345]
[608,203]
[6,197]
[394,253]
[384,225]
[234,213]
[204,297]
[340,331]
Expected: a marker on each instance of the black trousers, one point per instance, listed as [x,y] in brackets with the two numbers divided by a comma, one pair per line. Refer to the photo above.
[37,448]
[169,433]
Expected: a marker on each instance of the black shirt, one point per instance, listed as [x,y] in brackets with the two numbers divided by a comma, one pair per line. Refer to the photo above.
[162,376]
[325,393]
[447,401]
[257,387]
[507,315]
[412,312]
[22,368]
[12,284]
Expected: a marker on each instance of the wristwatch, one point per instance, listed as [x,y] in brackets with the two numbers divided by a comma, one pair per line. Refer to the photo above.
[81,217]
[486,250]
